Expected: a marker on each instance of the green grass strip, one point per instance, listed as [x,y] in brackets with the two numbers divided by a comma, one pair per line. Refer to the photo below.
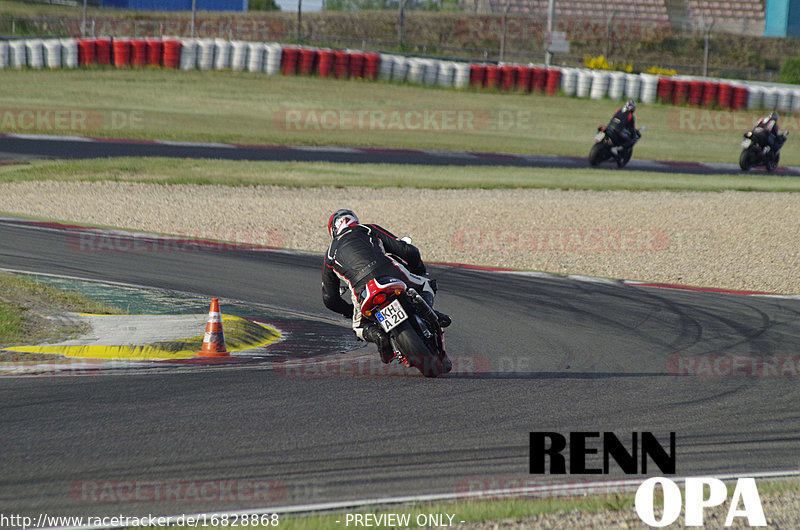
[324,174]
[17,287]
[23,301]
[11,322]
[254,108]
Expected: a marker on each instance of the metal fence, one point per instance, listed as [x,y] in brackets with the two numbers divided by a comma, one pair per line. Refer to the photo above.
[472,37]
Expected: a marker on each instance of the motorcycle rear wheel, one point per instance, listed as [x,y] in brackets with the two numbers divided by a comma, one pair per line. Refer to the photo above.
[598,153]
[772,164]
[417,352]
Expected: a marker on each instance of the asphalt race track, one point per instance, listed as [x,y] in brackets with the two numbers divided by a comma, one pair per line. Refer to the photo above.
[557,355]
[14,146]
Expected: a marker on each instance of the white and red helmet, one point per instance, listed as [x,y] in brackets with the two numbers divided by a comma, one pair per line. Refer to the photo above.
[340,220]
[629,106]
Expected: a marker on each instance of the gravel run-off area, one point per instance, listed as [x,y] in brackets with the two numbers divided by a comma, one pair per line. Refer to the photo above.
[729,240]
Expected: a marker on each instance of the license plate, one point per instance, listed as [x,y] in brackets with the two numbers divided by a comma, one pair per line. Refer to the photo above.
[746,143]
[391,316]
[599,136]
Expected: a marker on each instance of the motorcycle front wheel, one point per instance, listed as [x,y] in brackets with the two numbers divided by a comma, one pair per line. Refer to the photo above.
[625,157]
[598,153]
[416,351]
[744,160]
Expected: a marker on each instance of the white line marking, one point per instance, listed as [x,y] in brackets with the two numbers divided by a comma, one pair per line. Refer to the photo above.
[54,137]
[195,144]
[544,158]
[542,491]
[720,166]
[449,154]
[323,149]
[592,279]
[637,164]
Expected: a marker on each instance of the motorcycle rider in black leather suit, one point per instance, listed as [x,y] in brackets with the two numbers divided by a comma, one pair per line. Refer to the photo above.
[357,254]
[622,127]
[767,133]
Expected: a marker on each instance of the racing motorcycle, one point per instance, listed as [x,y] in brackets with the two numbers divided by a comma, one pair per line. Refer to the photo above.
[605,147]
[755,154]
[410,322]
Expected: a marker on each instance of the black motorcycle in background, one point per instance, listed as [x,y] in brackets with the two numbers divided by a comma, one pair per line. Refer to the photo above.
[757,152]
[607,146]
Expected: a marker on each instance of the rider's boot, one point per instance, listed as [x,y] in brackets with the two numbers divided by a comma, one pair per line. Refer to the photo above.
[376,335]
[444,320]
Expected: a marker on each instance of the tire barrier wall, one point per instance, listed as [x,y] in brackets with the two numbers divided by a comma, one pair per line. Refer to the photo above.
[273,58]
[681,90]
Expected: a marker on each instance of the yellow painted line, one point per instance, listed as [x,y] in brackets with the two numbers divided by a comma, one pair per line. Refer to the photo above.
[240,334]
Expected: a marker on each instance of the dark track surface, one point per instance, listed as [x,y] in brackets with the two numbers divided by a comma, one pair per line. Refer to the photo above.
[15,148]
[563,355]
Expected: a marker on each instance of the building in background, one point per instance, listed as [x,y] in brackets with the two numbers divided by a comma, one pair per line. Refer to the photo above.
[783,18]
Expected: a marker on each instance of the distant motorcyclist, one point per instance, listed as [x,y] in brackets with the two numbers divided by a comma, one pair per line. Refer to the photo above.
[359,253]
[767,134]
[622,127]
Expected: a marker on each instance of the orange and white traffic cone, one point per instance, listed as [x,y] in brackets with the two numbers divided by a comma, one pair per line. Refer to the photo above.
[214,339]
